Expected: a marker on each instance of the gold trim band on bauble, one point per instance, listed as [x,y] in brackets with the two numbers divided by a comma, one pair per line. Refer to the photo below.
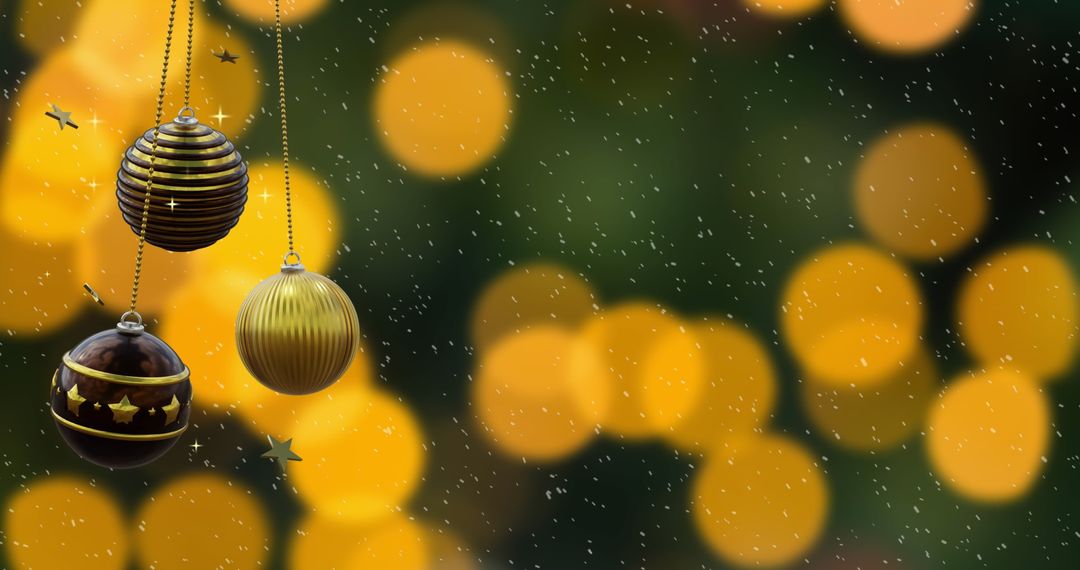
[118,436]
[122,379]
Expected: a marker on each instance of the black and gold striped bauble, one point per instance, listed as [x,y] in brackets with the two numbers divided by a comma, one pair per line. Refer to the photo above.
[199,187]
[121,398]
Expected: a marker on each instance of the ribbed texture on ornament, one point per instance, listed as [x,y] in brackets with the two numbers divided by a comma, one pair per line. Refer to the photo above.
[297,332]
[200,186]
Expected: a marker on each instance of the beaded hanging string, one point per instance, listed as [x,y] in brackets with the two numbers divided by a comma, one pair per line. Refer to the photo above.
[132,313]
[284,133]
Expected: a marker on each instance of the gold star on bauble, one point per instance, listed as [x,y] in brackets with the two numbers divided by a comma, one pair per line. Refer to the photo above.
[172,409]
[74,400]
[123,412]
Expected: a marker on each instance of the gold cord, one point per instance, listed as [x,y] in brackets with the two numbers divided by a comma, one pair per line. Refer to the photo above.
[153,151]
[284,123]
[187,70]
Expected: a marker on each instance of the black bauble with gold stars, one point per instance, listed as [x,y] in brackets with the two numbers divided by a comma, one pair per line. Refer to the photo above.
[199,185]
[121,398]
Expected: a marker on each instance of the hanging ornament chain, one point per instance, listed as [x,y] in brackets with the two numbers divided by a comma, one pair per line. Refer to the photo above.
[132,313]
[284,132]
[187,62]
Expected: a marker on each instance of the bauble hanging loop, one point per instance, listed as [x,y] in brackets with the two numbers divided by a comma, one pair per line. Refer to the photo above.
[122,397]
[199,187]
[297,331]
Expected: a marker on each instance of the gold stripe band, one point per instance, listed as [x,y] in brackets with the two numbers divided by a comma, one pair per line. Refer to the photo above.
[117,436]
[122,379]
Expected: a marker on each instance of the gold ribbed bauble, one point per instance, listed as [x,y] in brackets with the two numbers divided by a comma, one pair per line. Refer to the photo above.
[122,397]
[199,187]
[297,331]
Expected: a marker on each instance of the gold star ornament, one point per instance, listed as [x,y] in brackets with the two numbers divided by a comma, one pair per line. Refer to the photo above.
[74,400]
[124,412]
[172,409]
[280,451]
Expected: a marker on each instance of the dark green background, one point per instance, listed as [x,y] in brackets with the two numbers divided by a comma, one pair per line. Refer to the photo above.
[661,162]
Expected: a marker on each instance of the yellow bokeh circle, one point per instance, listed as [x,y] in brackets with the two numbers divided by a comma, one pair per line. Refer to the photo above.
[394,543]
[761,502]
[1018,309]
[45,26]
[541,394]
[739,391]
[653,364]
[277,414]
[258,243]
[224,95]
[343,439]
[442,108]
[202,520]
[38,291]
[988,435]
[875,417]
[120,44]
[907,26]
[784,8]
[65,522]
[106,260]
[530,295]
[851,315]
[56,184]
[203,334]
[920,192]
[262,11]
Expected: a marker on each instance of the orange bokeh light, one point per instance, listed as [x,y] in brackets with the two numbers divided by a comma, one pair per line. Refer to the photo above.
[907,26]
[442,108]
[851,314]
[920,192]
[541,394]
[988,435]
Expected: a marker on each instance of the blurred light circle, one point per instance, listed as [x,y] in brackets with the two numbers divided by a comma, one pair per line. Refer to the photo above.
[363,455]
[920,192]
[44,26]
[653,364]
[65,522]
[38,292]
[761,502]
[988,435]
[202,332]
[784,8]
[530,295]
[442,108]
[258,242]
[394,543]
[739,391]
[1018,309]
[541,394]
[56,184]
[262,11]
[106,260]
[224,95]
[875,417]
[125,39]
[202,520]
[851,315]
[278,414]
[907,26]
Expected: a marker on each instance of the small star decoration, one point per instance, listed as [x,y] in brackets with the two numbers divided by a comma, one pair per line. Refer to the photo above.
[61,116]
[280,451]
[226,57]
